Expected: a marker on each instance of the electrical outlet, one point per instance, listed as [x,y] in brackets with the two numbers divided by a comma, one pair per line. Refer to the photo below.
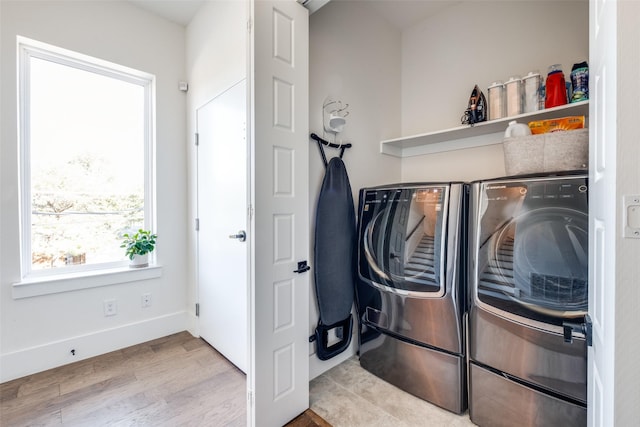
[110,307]
[146,300]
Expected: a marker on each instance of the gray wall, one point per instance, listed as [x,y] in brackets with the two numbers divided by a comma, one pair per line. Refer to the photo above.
[471,43]
[38,332]
[354,56]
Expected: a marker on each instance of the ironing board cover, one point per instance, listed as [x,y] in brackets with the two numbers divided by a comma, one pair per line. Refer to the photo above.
[334,251]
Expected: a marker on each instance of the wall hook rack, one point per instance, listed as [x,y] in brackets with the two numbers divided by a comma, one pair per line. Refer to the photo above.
[322,142]
[334,113]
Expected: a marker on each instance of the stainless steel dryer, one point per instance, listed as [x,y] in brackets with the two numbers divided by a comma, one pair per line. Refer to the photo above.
[528,277]
[410,293]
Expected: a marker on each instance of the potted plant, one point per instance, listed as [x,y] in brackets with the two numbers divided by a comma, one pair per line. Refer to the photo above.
[138,245]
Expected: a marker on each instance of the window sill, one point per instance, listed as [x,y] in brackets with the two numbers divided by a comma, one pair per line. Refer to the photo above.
[85,280]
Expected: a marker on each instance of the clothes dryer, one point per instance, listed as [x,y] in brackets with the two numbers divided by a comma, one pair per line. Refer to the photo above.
[528,276]
[410,293]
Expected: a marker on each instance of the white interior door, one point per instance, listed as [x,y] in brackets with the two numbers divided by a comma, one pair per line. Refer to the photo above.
[222,212]
[279,374]
[602,212]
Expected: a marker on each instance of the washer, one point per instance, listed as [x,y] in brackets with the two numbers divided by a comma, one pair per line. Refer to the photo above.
[528,277]
[410,294]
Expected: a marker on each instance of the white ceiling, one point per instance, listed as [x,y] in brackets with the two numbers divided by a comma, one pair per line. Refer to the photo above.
[178,11]
[400,13]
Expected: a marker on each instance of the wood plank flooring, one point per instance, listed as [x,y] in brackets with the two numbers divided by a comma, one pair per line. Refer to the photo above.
[178,380]
[308,419]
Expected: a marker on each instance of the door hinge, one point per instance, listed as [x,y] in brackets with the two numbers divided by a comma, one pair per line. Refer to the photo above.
[250,211]
[250,398]
[197,310]
[197,139]
[249,25]
[197,224]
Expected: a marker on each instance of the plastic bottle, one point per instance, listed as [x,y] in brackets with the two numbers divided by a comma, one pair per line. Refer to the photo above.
[516,129]
[555,88]
[580,82]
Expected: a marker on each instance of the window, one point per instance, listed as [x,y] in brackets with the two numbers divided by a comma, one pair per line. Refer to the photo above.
[86,139]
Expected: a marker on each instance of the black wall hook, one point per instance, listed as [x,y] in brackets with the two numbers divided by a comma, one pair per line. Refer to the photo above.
[322,142]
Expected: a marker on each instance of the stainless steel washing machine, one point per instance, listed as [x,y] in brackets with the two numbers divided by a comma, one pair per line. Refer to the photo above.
[410,292]
[528,275]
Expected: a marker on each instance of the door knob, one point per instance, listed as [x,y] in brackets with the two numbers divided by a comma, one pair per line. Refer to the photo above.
[242,236]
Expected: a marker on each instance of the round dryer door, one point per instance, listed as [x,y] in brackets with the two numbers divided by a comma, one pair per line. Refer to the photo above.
[401,238]
[533,250]
[548,260]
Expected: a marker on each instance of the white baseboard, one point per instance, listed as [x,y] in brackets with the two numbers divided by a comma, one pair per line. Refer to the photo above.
[51,355]
[318,367]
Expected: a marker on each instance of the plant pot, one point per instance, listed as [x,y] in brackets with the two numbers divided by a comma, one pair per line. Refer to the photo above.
[139,261]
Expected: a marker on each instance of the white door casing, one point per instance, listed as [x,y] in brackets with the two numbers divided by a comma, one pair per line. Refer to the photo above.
[279,67]
[222,211]
[602,212]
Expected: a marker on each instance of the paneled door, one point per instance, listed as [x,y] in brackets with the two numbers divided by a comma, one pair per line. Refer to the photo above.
[279,328]
[602,212]
[223,289]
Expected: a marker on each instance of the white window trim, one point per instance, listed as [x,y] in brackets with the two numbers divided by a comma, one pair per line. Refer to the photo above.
[44,282]
[83,280]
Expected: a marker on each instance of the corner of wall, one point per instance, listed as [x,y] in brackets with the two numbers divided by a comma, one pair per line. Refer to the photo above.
[318,367]
[58,353]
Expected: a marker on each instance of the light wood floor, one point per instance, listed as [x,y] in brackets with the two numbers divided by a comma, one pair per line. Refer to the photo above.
[178,380]
[173,381]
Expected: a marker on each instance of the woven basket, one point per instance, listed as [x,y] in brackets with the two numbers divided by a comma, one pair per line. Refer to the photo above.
[547,152]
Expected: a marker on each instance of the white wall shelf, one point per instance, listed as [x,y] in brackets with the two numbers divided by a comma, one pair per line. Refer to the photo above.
[485,133]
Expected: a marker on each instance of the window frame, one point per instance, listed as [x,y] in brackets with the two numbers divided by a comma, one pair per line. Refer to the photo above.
[27,49]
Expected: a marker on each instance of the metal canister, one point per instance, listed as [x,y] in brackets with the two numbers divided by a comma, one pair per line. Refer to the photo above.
[496,100]
[531,83]
[513,89]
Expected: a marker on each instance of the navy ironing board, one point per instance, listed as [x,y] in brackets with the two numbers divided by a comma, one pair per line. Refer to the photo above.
[334,252]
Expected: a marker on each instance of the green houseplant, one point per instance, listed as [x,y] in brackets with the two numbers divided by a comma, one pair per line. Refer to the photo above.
[138,245]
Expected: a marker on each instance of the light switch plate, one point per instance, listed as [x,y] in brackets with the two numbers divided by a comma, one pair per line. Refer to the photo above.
[631,217]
